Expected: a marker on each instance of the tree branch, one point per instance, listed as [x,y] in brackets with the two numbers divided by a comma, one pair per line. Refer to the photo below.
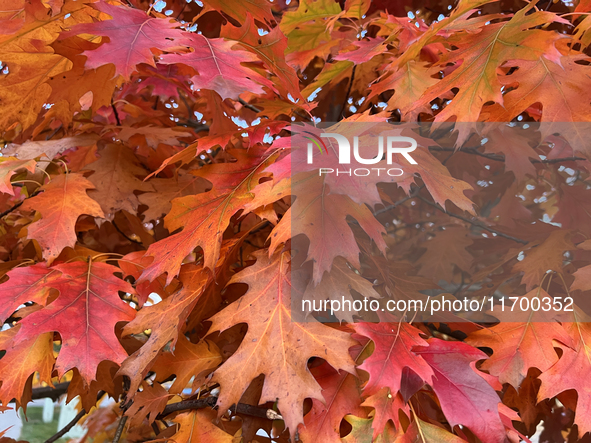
[412,195]
[120,428]
[473,223]
[48,392]
[344,105]
[115,113]
[249,106]
[59,434]
[18,205]
[500,158]
[240,408]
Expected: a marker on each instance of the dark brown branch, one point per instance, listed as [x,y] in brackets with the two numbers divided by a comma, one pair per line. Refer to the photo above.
[59,434]
[249,106]
[344,105]
[473,223]
[209,402]
[48,392]
[500,158]
[18,205]
[120,428]
[124,234]
[412,195]
[558,160]
[116,114]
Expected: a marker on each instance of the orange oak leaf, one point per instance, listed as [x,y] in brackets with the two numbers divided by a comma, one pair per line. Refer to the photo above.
[523,345]
[158,318]
[549,255]
[409,82]
[555,84]
[167,189]
[28,62]
[84,314]
[197,427]
[482,53]
[186,360]
[115,178]
[62,201]
[8,167]
[275,345]
[204,217]
[270,49]
[20,363]
[150,402]
[387,406]
[71,86]
[420,431]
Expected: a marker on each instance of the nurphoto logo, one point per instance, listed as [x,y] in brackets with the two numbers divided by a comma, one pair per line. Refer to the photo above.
[394,145]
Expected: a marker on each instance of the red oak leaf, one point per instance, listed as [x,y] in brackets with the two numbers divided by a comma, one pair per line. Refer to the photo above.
[84,314]
[133,36]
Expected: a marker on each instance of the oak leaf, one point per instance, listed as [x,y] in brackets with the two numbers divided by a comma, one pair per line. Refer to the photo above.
[420,431]
[115,178]
[8,167]
[481,54]
[572,371]
[465,397]
[21,362]
[62,201]
[394,343]
[204,217]
[520,346]
[341,392]
[84,314]
[275,345]
[149,402]
[132,37]
[197,427]
[219,66]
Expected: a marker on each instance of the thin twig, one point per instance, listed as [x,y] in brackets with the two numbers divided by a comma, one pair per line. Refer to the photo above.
[120,428]
[59,434]
[412,195]
[54,392]
[125,235]
[249,106]
[50,136]
[116,114]
[348,91]
[500,158]
[240,408]
[18,205]
[473,223]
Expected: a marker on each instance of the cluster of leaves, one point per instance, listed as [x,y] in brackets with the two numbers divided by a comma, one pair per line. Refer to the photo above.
[145,211]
